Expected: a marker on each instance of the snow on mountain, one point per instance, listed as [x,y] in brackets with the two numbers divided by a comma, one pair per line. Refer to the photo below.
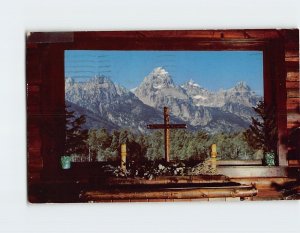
[159,78]
[200,108]
[158,88]
[193,84]
[195,104]
[199,97]
[133,89]
[100,98]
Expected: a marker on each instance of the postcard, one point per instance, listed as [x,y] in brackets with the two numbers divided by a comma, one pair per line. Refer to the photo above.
[147,116]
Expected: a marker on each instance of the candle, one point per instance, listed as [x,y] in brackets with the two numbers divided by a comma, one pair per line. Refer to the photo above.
[214,150]
[123,157]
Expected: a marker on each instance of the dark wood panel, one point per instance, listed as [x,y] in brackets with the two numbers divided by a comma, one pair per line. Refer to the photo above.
[33,99]
[35,164]
[33,67]
[275,91]
[293,104]
[34,140]
[165,44]
[34,177]
[263,34]
[292,44]
[207,34]
[34,152]
[46,37]
[291,40]
[173,40]
[292,66]
[292,85]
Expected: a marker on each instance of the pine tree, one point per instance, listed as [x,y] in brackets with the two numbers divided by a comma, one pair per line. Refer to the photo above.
[76,137]
[156,146]
[262,133]
[115,145]
[103,138]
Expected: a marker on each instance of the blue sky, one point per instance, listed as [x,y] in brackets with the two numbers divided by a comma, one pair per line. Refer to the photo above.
[213,70]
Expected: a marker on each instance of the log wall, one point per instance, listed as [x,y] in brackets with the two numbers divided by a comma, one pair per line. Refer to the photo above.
[293,93]
[292,80]
[34,137]
[45,79]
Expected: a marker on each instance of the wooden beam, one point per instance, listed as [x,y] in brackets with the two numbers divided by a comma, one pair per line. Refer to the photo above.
[194,193]
[200,179]
[229,162]
[166,126]
[252,171]
[167,134]
[169,126]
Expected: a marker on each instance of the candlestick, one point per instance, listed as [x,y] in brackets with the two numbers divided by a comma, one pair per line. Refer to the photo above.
[123,157]
[214,150]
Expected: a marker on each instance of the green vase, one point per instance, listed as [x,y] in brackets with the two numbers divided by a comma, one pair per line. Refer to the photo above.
[270,158]
[65,162]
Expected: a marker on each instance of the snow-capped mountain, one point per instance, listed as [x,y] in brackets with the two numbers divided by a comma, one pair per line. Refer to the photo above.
[158,88]
[109,104]
[224,110]
[199,95]
[193,103]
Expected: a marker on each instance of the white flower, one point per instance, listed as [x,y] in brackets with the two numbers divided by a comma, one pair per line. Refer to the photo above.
[161,167]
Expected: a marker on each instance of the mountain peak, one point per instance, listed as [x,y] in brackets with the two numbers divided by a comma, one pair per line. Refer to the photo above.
[160,70]
[242,86]
[69,80]
[100,79]
[192,83]
[159,78]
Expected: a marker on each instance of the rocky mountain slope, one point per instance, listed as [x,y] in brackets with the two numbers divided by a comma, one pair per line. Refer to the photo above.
[115,107]
[108,105]
[196,105]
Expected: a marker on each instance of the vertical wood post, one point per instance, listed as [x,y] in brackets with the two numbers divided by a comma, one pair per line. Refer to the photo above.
[167,126]
[167,134]
[214,150]
[213,158]
[123,157]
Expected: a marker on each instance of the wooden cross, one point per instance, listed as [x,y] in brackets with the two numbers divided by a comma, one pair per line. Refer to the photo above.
[167,126]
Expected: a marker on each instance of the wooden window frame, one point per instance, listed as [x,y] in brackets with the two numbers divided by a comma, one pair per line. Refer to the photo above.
[45,77]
